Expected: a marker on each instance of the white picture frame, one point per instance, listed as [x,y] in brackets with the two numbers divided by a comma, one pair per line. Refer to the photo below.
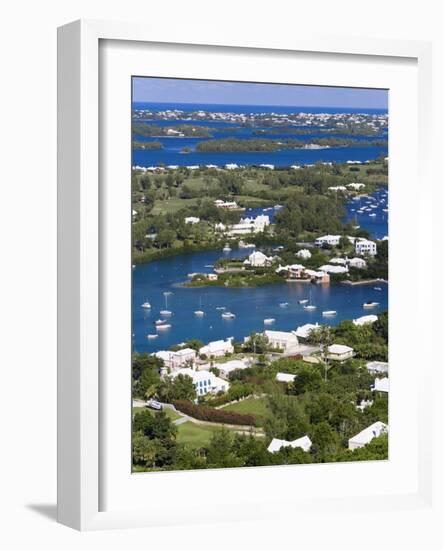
[80,269]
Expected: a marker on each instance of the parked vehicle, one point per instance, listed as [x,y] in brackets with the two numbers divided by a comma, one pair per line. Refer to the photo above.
[153,404]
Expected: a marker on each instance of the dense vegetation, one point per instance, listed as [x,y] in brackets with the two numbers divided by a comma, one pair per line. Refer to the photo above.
[155,130]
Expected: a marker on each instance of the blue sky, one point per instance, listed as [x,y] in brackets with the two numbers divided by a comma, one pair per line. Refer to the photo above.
[171,90]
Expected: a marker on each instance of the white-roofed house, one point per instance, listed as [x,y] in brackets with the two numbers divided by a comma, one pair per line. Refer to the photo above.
[332,240]
[176,359]
[338,261]
[335,269]
[191,220]
[283,340]
[339,352]
[377,367]
[304,253]
[204,381]
[365,320]
[219,348]
[364,246]
[284,377]
[303,443]
[367,435]
[381,385]
[258,259]
[225,369]
[305,330]
[358,263]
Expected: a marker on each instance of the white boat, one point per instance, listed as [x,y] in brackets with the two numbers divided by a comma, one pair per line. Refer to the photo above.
[310,306]
[368,305]
[329,313]
[160,322]
[283,304]
[372,215]
[199,312]
[227,315]
[166,326]
[227,248]
[151,336]
[377,287]
[220,308]
[269,321]
[146,305]
[303,301]
[166,312]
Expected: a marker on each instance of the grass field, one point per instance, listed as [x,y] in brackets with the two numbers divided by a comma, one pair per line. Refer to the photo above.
[170,413]
[195,435]
[171,206]
[251,405]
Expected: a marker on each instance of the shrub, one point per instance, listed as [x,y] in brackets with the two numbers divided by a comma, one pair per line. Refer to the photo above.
[209,414]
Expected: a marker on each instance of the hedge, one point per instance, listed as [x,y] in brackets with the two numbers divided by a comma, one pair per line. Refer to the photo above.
[209,414]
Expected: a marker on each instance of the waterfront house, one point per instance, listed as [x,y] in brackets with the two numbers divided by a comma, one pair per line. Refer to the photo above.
[358,263]
[318,276]
[381,385]
[284,377]
[331,240]
[304,331]
[247,226]
[304,253]
[282,340]
[367,435]
[377,367]
[204,381]
[191,220]
[303,443]
[364,246]
[258,259]
[339,352]
[293,271]
[335,269]
[365,320]
[219,348]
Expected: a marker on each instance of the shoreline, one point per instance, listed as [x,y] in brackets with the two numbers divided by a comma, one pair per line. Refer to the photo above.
[364,282]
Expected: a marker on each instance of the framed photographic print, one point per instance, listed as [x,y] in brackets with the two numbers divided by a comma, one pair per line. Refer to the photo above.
[233,224]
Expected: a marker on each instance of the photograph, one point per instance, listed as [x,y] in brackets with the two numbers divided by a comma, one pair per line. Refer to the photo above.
[259,215]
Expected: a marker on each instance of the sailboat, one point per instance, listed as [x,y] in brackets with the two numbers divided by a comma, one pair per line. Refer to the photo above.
[199,312]
[146,305]
[310,305]
[166,312]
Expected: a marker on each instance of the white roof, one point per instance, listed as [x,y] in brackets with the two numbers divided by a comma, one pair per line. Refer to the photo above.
[302,442]
[185,351]
[284,377]
[381,384]
[304,253]
[340,261]
[368,434]
[365,320]
[280,335]
[229,366]
[258,254]
[333,268]
[196,375]
[305,330]
[218,345]
[165,355]
[339,348]
[377,366]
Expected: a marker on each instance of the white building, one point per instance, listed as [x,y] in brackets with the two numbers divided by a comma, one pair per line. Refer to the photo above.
[367,435]
[304,253]
[303,443]
[258,259]
[247,226]
[331,240]
[339,352]
[305,330]
[336,269]
[219,348]
[337,188]
[356,186]
[204,381]
[358,263]
[176,359]
[381,385]
[338,261]
[377,367]
[230,366]
[192,220]
[283,340]
[227,205]
[365,320]
[284,377]
[364,246]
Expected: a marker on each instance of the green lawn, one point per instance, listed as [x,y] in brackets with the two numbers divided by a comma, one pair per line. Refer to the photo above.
[195,435]
[171,206]
[251,405]
[170,413]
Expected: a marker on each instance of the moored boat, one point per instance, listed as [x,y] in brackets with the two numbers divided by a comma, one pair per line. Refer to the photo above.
[228,315]
[329,313]
[368,305]
[269,321]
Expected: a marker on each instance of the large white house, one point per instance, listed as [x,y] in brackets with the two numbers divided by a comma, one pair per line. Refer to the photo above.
[332,240]
[381,385]
[303,443]
[304,331]
[339,352]
[377,367]
[364,246]
[367,435]
[335,269]
[230,366]
[176,359]
[258,259]
[249,225]
[219,348]
[284,340]
[204,381]
[358,263]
